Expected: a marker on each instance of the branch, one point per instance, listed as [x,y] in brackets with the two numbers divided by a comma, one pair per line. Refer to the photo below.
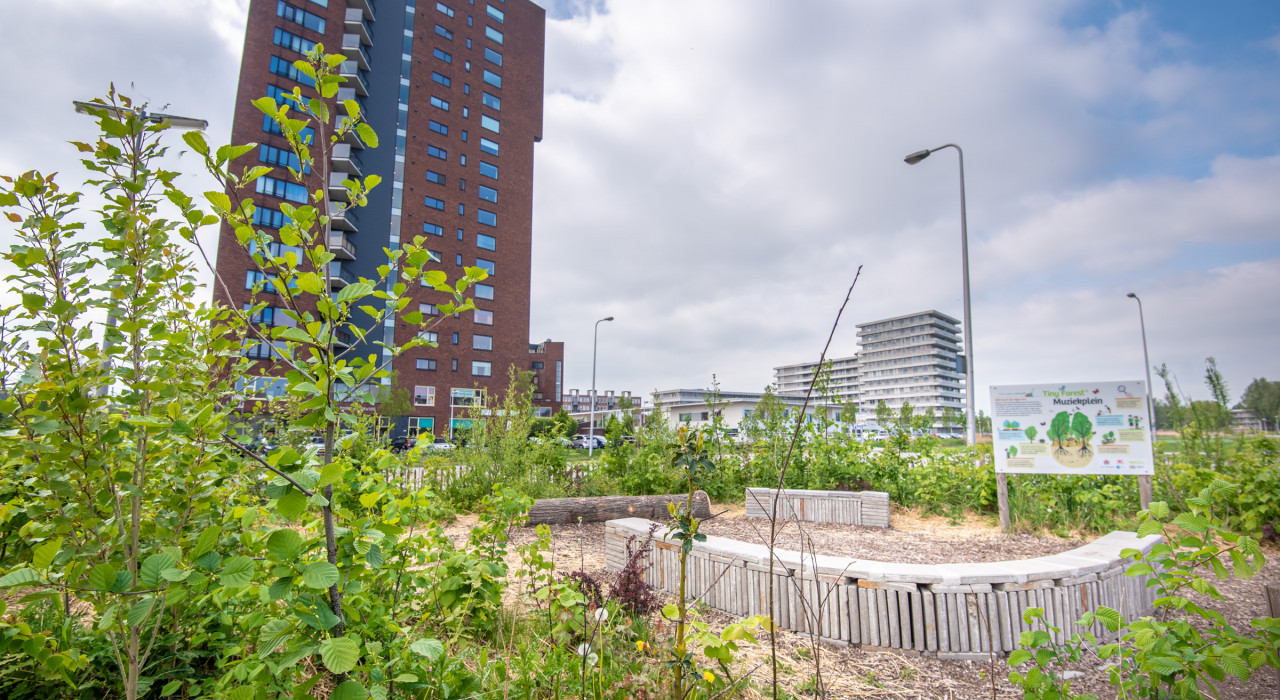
[258,458]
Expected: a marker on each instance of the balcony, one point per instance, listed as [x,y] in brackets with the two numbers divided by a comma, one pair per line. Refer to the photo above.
[353,49]
[340,276]
[354,23]
[341,246]
[365,6]
[344,220]
[345,160]
[347,93]
[343,339]
[351,72]
[337,191]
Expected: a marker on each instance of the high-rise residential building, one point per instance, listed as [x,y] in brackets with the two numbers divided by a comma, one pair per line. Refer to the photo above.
[913,358]
[454,91]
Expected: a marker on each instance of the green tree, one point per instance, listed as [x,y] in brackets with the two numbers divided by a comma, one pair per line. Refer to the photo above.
[1031,432]
[1262,399]
[884,416]
[1175,410]
[566,426]
[1210,416]
[927,419]
[1059,430]
[1217,383]
[1082,428]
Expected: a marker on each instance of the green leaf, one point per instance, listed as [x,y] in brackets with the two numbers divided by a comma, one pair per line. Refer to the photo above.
[319,575]
[1159,510]
[284,545]
[291,504]
[349,690]
[1235,665]
[374,557]
[354,291]
[340,654]
[370,138]
[310,282]
[331,474]
[170,688]
[430,648]
[1164,665]
[208,537]
[272,635]
[21,577]
[42,554]
[237,572]
[102,577]
[1110,617]
[280,588]
[139,611]
[1139,569]
[1192,522]
[1149,527]
[153,566]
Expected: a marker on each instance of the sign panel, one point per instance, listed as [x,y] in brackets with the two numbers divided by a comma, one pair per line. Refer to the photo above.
[1087,428]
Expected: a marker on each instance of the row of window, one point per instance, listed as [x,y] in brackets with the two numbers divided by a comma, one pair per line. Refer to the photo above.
[286,69]
[478,342]
[479,316]
[297,15]
[292,41]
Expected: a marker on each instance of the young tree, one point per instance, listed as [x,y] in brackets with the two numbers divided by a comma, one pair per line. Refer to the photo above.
[1059,430]
[1082,428]
[884,416]
[1262,399]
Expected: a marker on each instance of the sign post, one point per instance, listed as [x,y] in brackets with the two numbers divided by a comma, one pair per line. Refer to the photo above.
[1082,428]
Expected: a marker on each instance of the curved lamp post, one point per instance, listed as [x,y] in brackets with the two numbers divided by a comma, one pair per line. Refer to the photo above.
[970,419]
[595,341]
[1144,482]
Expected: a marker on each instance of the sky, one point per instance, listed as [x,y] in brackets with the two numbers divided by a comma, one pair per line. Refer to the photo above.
[713,173]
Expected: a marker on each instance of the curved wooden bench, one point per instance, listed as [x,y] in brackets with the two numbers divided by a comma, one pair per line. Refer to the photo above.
[870,508]
[956,611]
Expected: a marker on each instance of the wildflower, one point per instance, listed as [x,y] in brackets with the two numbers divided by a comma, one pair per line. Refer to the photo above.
[641,646]
[709,676]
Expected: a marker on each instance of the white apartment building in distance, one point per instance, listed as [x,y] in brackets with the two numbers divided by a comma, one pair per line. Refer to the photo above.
[914,358]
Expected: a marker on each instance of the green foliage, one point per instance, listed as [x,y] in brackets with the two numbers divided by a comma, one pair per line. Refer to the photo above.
[1262,399]
[1168,655]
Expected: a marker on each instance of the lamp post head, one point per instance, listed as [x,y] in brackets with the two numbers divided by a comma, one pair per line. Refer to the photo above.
[607,318]
[1131,295]
[917,156]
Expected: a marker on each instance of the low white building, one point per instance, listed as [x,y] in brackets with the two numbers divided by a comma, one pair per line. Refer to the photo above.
[696,407]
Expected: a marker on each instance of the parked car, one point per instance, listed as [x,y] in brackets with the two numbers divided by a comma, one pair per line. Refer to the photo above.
[317,441]
[440,444]
[400,443]
[582,442]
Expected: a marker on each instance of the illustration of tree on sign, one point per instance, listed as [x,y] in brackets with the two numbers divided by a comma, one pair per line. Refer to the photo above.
[1059,431]
[1031,433]
[1012,451]
[1082,427]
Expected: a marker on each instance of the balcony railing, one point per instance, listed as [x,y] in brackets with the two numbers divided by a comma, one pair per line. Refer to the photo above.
[351,71]
[345,220]
[353,49]
[342,246]
[355,24]
[346,159]
[340,275]
[338,191]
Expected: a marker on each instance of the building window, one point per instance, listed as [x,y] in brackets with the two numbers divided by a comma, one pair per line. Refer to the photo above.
[297,15]
[466,88]
[537,365]
[426,365]
[434,203]
[489,170]
[493,34]
[428,310]
[274,187]
[470,22]
[492,78]
[486,242]
[442,55]
[487,193]
[486,265]
[484,318]
[481,342]
[439,103]
[442,79]
[281,157]
[485,291]
[441,7]
[433,229]
[433,176]
[444,32]
[420,426]
[481,369]
[490,123]
[493,12]
[292,42]
[685,417]
[487,218]
[270,218]
[438,128]
[490,101]
[286,69]
[455,338]
[492,56]
[453,365]
[424,396]
[468,42]
[458,260]
[436,256]
[464,135]
[280,95]
[437,152]
[490,147]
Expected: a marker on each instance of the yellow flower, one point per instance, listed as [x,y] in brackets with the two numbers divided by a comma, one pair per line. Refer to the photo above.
[711,677]
[640,645]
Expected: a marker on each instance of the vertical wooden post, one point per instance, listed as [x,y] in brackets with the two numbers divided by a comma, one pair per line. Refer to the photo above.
[1002,498]
[1272,591]
[1144,490]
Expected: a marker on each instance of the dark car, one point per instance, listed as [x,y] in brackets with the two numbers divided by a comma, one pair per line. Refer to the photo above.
[400,443]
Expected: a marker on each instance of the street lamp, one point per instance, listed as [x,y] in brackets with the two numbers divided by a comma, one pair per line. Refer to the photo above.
[969,388]
[595,341]
[1144,483]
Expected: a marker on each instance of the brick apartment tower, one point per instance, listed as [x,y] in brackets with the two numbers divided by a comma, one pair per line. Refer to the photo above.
[454,91]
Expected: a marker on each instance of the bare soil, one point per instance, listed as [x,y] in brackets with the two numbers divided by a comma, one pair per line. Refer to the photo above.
[848,671]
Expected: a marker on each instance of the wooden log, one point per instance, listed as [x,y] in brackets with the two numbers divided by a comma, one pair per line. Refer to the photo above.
[566,511]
